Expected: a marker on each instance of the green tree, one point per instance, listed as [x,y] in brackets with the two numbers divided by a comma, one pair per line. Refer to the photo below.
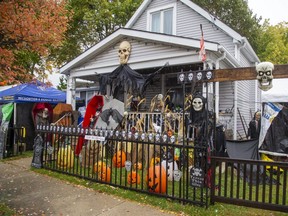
[273,45]
[93,20]
[63,83]
[237,15]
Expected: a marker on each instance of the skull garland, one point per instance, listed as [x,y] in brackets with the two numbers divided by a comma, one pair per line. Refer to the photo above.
[264,75]
[124,52]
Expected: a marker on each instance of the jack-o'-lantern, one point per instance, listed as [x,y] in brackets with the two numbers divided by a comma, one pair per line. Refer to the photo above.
[98,166]
[154,161]
[137,166]
[104,174]
[133,178]
[119,159]
[65,157]
[156,179]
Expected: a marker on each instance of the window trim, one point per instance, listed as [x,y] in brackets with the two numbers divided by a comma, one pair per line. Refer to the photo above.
[149,17]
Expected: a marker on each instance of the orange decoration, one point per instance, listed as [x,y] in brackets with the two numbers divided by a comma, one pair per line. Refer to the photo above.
[137,166]
[119,159]
[133,178]
[156,179]
[98,166]
[105,174]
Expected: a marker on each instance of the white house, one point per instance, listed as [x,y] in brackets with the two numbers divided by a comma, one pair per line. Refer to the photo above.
[168,31]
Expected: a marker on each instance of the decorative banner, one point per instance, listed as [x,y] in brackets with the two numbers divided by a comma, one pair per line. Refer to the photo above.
[270,111]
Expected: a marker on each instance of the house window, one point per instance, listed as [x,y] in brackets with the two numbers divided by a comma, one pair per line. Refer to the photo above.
[162,20]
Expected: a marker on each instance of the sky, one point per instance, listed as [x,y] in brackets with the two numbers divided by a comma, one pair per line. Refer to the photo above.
[275,10]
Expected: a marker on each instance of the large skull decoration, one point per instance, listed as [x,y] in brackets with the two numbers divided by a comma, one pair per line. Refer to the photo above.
[197,104]
[264,75]
[124,52]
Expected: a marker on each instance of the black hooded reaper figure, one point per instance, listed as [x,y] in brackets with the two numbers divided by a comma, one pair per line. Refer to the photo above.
[123,78]
[198,118]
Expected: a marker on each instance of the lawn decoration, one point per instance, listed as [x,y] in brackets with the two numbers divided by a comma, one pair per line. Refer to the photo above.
[137,166]
[264,75]
[171,167]
[65,157]
[124,52]
[98,166]
[119,159]
[133,178]
[105,174]
[156,179]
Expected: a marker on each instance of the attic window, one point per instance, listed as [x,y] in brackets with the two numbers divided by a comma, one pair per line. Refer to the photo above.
[162,20]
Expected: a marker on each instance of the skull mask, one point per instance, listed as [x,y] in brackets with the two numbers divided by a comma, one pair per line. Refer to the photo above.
[124,52]
[190,77]
[209,75]
[264,75]
[199,76]
[181,77]
[197,104]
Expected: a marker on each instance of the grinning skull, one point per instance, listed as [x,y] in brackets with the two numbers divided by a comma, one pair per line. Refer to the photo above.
[264,75]
[199,76]
[124,52]
[197,104]
[172,139]
[209,75]
[190,77]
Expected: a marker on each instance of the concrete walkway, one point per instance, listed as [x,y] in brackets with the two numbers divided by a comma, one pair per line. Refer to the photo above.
[35,194]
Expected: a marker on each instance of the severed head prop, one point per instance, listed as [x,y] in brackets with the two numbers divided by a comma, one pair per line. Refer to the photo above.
[124,52]
[264,75]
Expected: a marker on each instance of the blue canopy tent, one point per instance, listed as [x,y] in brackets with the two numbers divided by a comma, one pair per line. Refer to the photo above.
[25,97]
[35,91]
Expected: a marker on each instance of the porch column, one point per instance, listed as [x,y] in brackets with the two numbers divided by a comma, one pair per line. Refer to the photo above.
[71,95]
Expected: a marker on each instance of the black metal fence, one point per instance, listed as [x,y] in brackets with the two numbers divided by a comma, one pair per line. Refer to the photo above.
[251,183]
[148,163]
[12,141]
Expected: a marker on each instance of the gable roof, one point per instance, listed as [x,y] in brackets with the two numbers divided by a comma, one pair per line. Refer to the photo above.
[232,33]
[149,36]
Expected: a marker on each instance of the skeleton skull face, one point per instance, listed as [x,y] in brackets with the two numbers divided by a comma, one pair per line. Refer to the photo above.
[136,135]
[181,77]
[172,139]
[190,77]
[117,133]
[199,76]
[165,138]
[157,137]
[124,52]
[143,136]
[123,134]
[150,136]
[264,75]
[209,75]
[129,135]
[197,104]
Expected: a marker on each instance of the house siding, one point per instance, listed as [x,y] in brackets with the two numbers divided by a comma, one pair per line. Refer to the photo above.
[188,25]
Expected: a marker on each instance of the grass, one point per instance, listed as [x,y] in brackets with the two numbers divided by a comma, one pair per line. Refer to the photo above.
[162,204]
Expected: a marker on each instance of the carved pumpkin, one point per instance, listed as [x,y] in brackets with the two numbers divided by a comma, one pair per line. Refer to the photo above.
[133,178]
[98,166]
[104,174]
[156,179]
[65,157]
[119,159]
[137,166]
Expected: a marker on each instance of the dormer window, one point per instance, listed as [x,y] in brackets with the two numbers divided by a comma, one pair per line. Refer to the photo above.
[162,20]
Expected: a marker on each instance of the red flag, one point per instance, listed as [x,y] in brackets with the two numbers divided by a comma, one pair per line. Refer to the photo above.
[202,52]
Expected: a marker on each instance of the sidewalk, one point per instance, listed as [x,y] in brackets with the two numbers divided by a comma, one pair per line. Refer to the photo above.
[35,194]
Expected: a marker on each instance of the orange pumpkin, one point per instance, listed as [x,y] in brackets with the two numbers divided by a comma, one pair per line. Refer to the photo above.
[133,178]
[105,174]
[154,161]
[156,179]
[98,166]
[119,159]
[137,166]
